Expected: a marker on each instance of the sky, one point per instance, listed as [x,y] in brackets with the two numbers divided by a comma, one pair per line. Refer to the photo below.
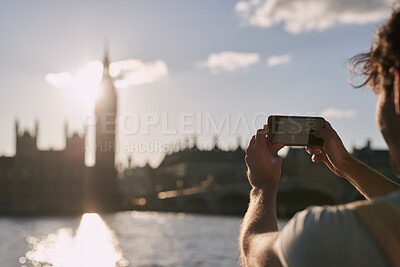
[185,68]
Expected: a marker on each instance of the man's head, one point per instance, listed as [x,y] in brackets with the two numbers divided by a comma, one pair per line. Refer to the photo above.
[381,66]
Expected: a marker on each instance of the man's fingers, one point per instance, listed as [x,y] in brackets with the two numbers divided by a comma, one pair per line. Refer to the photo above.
[261,137]
[321,133]
[266,128]
[325,132]
[328,125]
[251,144]
[322,158]
[312,149]
[319,157]
[252,141]
[316,157]
[274,148]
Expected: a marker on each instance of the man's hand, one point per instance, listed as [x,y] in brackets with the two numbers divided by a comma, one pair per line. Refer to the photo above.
[369,182]
[333,152]
[259,231]
[263,162]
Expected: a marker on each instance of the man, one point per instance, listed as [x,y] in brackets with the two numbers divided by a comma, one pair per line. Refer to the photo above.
[364,233]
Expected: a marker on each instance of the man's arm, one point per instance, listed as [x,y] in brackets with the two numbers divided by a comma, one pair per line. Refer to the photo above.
[369,182]
[259,230]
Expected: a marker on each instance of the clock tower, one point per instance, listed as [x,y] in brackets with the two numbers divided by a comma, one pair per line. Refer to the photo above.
[106,114]
[102,194]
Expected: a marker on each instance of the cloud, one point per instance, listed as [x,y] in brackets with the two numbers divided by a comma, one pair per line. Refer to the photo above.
[307,15]
[125,73]
[87,76]
[59,80]
[83,85]
[278,60]
[338,113]
[229,61]
[134,72]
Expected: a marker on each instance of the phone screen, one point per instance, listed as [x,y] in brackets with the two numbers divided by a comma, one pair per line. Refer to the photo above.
[295,130]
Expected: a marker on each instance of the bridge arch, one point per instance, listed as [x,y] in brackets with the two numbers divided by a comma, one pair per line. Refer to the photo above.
[293,200]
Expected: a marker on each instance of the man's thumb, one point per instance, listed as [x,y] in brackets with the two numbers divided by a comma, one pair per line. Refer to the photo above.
[276,147]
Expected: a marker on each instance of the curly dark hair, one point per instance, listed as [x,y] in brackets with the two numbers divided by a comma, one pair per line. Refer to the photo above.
[384,55]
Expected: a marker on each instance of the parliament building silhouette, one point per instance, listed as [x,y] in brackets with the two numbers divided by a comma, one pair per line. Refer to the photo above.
[57,182]
[35,182]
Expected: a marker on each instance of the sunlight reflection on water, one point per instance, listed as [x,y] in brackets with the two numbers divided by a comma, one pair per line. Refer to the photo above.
[134,238]
[93,244]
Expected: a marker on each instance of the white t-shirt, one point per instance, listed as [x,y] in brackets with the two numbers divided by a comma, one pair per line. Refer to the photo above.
[330,236]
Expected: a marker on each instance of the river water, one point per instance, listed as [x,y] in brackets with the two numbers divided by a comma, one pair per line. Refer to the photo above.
[120,239]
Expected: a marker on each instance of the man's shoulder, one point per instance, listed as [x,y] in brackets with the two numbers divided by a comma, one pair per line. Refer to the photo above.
[341,217]
[315,221]
[394,198]
[323,235]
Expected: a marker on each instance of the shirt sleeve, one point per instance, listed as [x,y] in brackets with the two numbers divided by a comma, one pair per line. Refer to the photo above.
[328,236]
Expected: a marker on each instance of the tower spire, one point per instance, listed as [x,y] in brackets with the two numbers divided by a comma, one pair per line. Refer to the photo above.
[106,62]
[36,128]
[66,129]
[16,127]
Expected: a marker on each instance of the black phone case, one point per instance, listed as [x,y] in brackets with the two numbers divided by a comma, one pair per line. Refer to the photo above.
[312,140]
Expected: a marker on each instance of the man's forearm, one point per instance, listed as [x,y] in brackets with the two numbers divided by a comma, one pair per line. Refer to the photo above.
[369,182]
[260,218]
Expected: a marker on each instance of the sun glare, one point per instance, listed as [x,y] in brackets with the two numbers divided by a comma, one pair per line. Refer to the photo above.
[93,244]
[86,84]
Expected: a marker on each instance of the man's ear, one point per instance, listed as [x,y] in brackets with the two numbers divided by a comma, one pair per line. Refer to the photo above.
[396,90]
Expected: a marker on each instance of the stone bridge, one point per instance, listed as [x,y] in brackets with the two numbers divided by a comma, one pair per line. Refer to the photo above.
[294,194]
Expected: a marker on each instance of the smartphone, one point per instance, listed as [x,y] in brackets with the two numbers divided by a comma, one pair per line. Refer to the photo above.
[295,130]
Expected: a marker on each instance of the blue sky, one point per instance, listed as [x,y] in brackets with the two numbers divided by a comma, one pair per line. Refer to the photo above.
[41,37]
